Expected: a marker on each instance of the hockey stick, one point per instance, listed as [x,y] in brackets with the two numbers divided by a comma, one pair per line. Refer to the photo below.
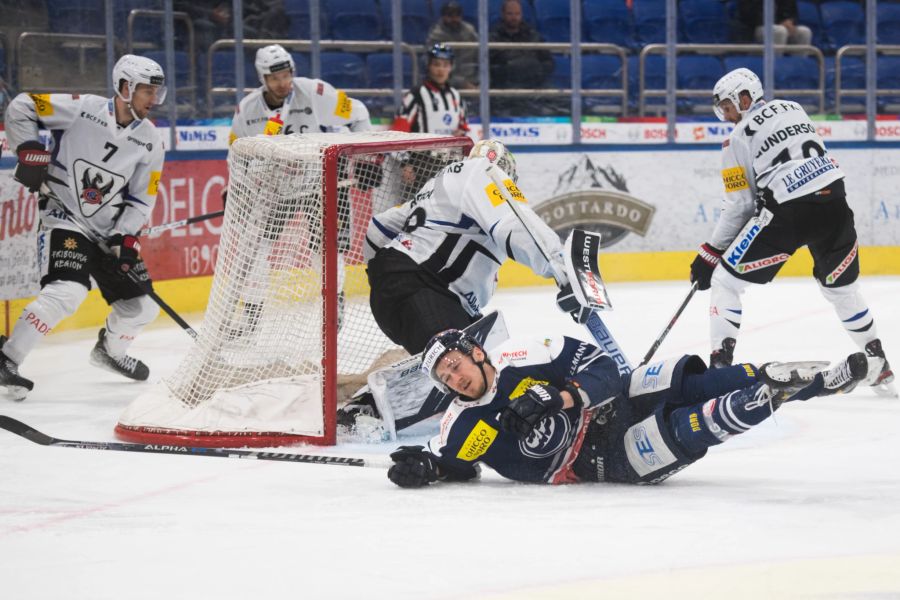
[594,324]
[30,433]
[88,232]
[665,332]
[181,223]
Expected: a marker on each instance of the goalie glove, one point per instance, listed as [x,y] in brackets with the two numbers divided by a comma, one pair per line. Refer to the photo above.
[125,252]
[525,412]
[33,162]
[568,302]
[413,467]
[704,263]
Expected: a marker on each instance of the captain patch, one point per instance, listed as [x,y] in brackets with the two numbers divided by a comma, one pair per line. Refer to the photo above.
[153,186]
[344,106]
[42,104]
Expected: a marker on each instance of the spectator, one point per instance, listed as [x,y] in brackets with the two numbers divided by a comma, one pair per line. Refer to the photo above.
[518,68]
[452,28]
[784,31]
[266,19]
[263,19]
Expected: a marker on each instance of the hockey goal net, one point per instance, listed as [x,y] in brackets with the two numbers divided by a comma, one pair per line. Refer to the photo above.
[288,317]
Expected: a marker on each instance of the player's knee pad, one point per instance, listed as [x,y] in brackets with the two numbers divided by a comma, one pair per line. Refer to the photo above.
[131,314]
[652,451]
[659,382]
[57,300]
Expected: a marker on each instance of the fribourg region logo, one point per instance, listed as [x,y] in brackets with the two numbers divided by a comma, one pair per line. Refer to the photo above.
[595,198]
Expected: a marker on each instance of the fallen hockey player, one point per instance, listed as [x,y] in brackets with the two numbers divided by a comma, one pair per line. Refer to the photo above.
[558,411]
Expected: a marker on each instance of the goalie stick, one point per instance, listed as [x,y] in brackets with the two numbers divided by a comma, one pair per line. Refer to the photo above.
[598,330]
[30,433]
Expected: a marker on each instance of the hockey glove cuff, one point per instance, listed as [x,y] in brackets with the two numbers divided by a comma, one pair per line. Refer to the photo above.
[33,162]
[525,412]
[125,252]
[704,263]
[568,302]
[413,467]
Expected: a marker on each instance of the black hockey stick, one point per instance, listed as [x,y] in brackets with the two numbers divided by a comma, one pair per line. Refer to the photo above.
[147,289]
[181,223]
[29,433]
[665,332]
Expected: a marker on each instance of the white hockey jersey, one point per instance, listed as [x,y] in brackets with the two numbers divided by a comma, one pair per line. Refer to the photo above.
[105,176]
[460,228]
[313,106]
[432,109]
[775,146]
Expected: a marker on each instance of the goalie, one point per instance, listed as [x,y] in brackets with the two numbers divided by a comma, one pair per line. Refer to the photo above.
[433,261]
[560,412]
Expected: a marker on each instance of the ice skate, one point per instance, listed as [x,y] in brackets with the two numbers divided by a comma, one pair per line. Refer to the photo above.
[723,356]
[843,377]
[15,384]
[126,365]
[881,377]
[787,378]
[360,419]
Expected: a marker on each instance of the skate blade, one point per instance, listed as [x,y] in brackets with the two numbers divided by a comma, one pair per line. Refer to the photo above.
[17,393]
[886,390]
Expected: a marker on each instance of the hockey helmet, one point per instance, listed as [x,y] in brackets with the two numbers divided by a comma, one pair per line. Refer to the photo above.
[438,347]
[139,69]
[272,59]
[730,86]
[440,51]
[497,153]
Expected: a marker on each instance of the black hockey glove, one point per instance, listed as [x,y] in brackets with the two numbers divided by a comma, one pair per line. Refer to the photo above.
[33,162]
[704,263]
[413,467]
[567,302]
[125,251]
[525,412]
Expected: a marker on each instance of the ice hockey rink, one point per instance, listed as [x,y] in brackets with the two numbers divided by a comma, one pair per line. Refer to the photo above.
[807,505]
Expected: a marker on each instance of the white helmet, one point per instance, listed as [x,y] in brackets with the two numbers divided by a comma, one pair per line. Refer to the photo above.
[135,70]
[271,59]
[497,153]
[730,86]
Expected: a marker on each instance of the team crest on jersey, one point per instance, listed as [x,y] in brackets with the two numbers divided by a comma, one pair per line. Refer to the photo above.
[550,435]
[95,186]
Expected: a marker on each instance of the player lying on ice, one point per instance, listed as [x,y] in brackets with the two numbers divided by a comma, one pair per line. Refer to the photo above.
[557,410]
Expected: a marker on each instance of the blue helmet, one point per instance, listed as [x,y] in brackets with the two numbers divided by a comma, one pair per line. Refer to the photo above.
[442,343]
[440,51]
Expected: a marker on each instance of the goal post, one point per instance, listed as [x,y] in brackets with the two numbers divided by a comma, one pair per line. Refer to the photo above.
[288,323]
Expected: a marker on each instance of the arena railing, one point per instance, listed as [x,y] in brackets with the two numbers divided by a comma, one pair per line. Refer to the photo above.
[839,91]
[722,50]
[30,69]
[305,46]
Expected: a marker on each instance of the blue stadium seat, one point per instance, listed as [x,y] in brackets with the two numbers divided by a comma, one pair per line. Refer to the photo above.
[853,77]
[649,21]
[608,22]
[888,79]
[223,70]
[182,66]
[698,73]
[843,23]
[795,73]
[381,70]
[302,66]
[601,72]
[702,22]
[416,20]
[76,16]
[470,11]
[553,21]
[354,20]
[654,79]
[297,12]
[747,61]
[888,20]
[561,78]
[343,69]
[808,14]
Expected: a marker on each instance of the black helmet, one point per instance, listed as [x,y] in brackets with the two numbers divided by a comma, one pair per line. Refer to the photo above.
[442,343]
[440,51]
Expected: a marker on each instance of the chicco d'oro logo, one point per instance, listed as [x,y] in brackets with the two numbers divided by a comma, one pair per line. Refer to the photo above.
[595,198]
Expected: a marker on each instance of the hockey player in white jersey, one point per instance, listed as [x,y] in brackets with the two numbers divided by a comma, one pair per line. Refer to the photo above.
[783,190]
[433,261]
[96,182]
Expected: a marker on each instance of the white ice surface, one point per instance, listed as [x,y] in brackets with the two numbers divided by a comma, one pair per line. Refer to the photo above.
[803,506]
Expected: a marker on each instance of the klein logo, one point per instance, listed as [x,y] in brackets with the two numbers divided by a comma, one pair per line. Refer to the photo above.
[735,257]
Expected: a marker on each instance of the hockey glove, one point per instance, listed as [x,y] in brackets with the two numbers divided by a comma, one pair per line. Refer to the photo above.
[413,467]
[125,251]
[704,263]
[568,302]
[525,412]
[33,162]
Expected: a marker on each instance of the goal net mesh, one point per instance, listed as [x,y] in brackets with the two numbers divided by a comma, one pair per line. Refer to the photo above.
[288,319]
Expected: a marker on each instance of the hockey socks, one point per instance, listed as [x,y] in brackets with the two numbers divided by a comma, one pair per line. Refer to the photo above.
[710,423]
[713,383]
